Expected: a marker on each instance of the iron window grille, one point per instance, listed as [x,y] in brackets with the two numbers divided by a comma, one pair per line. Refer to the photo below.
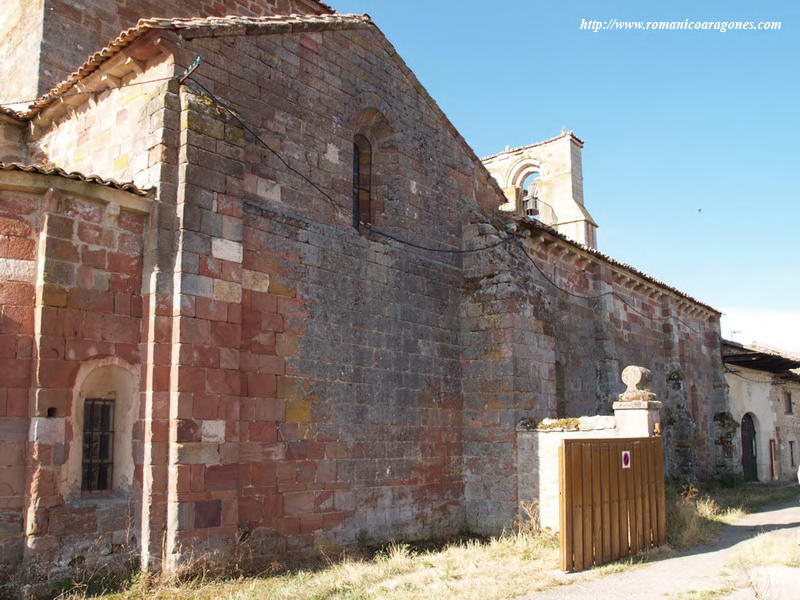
[98,444]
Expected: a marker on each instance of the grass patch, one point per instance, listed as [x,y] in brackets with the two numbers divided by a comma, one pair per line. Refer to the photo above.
[508,566]
[697,514]
[770,548]
[709,594]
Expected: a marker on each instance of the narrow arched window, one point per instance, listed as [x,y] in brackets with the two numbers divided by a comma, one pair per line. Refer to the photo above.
[362,174]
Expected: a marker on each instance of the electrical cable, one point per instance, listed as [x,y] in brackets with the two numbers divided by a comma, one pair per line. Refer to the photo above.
[371,228]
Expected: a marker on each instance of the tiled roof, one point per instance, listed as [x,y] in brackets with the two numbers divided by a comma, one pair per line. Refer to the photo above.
[41,170]
[222,25]
[534,225]
[10,113]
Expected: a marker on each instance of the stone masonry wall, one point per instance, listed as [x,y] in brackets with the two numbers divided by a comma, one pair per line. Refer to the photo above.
[304,383]
[71,270]
[532,349]
[21,34]
[331,355]
[46,40]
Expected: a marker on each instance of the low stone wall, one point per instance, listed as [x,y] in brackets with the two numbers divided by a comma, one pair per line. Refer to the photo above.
[538,464]
[637,414]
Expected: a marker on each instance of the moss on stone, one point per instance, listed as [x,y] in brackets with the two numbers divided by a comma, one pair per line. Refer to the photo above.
[567,424]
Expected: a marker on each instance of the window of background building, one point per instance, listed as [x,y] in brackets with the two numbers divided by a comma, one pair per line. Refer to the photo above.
[791,452]
[788,401]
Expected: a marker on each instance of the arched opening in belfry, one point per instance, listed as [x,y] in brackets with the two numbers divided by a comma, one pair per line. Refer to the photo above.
[530,202]
[529,194]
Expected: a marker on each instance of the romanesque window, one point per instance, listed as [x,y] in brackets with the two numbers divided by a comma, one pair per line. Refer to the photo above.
[98,444]
[787,399]
[362,175]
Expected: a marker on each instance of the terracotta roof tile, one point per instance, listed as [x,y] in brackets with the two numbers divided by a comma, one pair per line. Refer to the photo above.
[534,225]
[11,113]
[41,170]
[268,24]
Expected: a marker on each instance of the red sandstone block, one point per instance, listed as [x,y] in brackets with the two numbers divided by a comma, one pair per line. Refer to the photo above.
[51,347]
[56,373]
[212,310]
[95,235]
[262,385]
[206,406]
[130,221]
[299,503]
[262,432]
[262,474]
[17,403]
[127,352]
[12,480]
[122,304]
[161,378]
[263,302]
[17,247]
[83,209]
[21,294]
[191,379]
[60,226]
[162,330]
[222,477]
[226,335]
[234,313]
[15,373]
[62,250]
[8,345]
[112,328]
[223,381]
[16,319]
[194,331]
[14,227]
[187,430]
[122,263]
[130,244]
[272,322]
[93,301]
[310,523]
[93,258]
[207,513]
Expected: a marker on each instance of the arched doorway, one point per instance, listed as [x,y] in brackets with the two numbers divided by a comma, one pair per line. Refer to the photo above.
[749,448]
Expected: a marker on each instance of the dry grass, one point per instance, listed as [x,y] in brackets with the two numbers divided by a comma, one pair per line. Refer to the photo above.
[770,548]
[696,515]
[504,567]
[508,566]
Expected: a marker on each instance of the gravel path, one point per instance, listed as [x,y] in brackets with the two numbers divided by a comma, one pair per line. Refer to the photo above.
[698,569]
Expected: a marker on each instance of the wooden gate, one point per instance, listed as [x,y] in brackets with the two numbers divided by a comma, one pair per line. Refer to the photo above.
[612,499]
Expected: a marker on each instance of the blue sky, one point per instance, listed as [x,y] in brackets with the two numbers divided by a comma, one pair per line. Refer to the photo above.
[691,163]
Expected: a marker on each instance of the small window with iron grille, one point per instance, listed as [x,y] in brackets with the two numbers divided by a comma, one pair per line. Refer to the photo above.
[787,398]
[98,444]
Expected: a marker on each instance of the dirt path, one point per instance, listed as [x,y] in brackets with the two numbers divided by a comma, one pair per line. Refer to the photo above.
[701,568]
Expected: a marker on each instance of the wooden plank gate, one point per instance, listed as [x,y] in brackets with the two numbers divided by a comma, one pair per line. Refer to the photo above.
[612,499]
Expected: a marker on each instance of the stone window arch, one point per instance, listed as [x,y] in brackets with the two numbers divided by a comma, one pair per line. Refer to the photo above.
[103,382]
[375,160]
[362,180]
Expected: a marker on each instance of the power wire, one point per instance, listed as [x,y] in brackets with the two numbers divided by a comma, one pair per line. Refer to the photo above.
[332,202]
[369,227]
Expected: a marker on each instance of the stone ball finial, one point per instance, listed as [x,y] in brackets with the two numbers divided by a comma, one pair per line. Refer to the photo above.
[638,381]
[636,378]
